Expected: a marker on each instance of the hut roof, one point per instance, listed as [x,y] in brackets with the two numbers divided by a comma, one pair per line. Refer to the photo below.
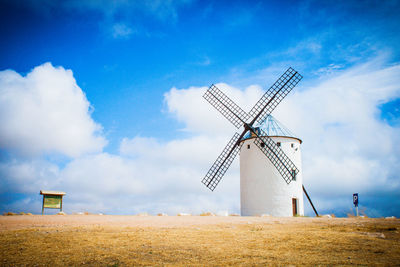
[48,192]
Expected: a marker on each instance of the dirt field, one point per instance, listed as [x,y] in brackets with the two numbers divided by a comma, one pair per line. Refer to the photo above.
[196,240]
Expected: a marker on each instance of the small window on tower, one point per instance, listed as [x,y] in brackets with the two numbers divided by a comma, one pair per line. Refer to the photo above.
[292,145]
[248,146]
[293,175]
[278,144]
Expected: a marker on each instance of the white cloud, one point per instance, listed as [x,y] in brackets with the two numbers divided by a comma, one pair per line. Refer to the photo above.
[173,151]
[28,176]
[189,107]
[347,148]
[205,61]
[121,30]
[115,184]
[46,112]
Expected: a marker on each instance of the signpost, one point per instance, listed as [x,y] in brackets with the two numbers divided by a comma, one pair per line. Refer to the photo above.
[355,202]
[52,199]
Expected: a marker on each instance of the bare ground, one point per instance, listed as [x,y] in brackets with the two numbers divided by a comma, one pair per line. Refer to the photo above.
[94,240]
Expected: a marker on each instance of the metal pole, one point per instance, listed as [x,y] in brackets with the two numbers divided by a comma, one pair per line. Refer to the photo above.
[357,211]
[43,205]
[309,199]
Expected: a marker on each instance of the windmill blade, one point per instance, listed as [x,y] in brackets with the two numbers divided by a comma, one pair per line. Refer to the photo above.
[226,106]
[222,163]
[274,95]
[277,157]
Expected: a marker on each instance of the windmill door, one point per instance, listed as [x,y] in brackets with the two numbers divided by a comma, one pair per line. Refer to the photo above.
[294,205]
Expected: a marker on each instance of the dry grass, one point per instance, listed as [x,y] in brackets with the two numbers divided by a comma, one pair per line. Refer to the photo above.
[9,213]
[142,214]
[183,214]
[207,214]
[13,214]
[259,241]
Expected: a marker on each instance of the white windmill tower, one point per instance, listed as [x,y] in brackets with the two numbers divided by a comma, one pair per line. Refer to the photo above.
[260,190]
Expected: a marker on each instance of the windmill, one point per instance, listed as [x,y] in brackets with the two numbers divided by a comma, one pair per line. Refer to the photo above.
[277,158]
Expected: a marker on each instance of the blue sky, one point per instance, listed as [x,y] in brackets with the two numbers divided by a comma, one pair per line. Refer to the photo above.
[136,62]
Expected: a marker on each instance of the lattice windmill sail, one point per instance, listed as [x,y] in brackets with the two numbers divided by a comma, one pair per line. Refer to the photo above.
[238,117]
